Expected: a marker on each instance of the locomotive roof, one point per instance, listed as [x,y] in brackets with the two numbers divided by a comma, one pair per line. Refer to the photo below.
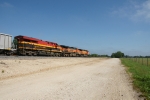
[31,38]
[68,47]
[73,47]
[64,46]
[83,50]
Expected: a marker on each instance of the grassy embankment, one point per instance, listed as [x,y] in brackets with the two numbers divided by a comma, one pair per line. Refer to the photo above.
[140,74]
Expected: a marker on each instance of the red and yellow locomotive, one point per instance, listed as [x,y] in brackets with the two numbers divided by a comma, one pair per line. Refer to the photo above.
[32,46]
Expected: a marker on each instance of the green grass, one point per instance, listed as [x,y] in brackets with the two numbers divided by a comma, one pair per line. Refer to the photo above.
[143,61]
[140,74]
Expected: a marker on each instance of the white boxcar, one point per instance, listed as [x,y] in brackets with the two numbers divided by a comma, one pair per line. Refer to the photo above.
[5,41]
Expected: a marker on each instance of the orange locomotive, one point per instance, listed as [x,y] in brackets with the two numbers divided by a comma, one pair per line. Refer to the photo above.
[32,46]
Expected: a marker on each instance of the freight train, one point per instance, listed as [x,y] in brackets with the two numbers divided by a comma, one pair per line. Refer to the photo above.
[28,46]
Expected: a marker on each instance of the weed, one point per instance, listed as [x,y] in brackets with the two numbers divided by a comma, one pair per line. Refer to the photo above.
[3,71]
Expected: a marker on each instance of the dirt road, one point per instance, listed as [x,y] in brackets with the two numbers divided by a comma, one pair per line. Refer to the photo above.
[79,79]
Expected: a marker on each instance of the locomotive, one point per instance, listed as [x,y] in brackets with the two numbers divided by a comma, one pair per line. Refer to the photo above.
[24,45]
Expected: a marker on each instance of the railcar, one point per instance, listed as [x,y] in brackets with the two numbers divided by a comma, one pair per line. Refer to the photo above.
[6,44]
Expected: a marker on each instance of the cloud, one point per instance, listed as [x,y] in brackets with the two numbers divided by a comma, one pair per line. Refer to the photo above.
[135,11]
[6,5]
[142,12]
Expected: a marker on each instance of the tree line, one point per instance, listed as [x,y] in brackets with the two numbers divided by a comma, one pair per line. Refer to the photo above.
[118,54]
[97,55]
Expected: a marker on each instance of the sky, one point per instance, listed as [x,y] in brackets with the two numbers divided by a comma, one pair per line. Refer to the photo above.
[99,26]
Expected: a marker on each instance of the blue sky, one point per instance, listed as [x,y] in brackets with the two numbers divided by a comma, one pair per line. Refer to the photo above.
[100,26]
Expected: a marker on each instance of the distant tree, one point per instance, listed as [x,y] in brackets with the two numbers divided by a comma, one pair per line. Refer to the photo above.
[94,55]
[113,55]
[147,56]
[15,43]
[127,56]
[118,54]
[103,55]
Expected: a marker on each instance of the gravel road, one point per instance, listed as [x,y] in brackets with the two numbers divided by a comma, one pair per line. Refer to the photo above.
[74,79]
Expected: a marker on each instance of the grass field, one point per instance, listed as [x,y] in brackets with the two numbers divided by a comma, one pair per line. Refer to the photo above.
[143,61]
[140,75]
